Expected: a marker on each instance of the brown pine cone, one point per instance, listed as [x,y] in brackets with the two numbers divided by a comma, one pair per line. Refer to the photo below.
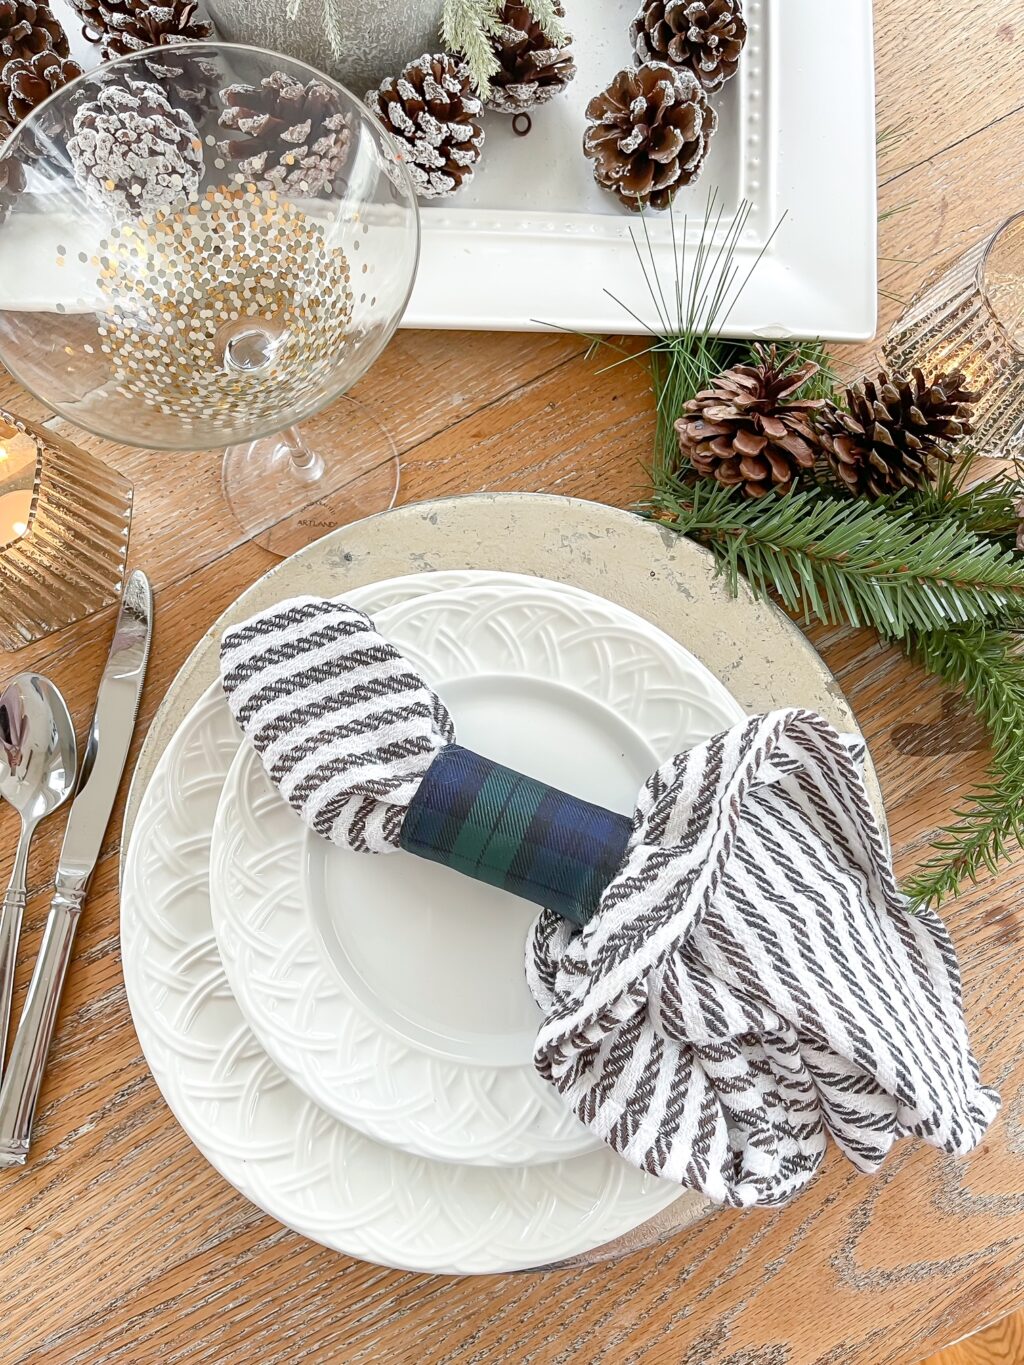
[293,137]
[895,432]
[138,25]
[27,28]
[26,81]
[705,38]
[748,431]
[533,68]
[134,25]
[433,112]
[12,174]
[95,16]
[650,134]
[134,153]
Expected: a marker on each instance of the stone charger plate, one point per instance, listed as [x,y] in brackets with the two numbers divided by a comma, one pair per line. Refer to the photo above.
[753,648]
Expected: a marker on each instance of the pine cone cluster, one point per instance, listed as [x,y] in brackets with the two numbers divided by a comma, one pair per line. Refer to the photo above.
[649,134]
[26,81]
[532,68]
[748,430]
[290,137]
[134,152]
[27,28]
[702,36]
[895,432]
[432,112]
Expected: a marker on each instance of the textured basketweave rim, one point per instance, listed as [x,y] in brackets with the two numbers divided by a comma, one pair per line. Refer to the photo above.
[753,648]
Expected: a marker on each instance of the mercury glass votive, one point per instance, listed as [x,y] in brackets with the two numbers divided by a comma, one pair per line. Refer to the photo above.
[970,316]
[65,518]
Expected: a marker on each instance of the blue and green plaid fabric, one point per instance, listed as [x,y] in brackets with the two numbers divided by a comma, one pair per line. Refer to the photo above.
[510,831]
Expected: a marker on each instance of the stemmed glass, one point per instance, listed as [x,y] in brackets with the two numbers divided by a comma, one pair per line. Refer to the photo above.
[207,248]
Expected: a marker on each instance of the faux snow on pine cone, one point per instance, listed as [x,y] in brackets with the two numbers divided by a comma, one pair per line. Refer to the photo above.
[432,112]
[133,153]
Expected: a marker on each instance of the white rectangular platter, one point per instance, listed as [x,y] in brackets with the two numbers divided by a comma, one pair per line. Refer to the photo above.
[534,242]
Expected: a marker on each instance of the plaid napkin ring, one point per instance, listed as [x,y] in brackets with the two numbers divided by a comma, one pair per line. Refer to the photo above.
[511,831]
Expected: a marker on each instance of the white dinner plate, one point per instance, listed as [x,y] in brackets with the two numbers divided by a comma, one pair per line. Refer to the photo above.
[390,990]
[279,1149]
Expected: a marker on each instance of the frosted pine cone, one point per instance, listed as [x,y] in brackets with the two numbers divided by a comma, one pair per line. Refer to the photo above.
[532,67]
[134,25]
[27,28]
[12,175]
[291,137]
[432,112]
[649,134]
[131,26]
[703,36]
[134,153]
[26,81]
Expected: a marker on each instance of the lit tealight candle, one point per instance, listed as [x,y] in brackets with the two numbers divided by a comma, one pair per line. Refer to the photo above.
[15,509]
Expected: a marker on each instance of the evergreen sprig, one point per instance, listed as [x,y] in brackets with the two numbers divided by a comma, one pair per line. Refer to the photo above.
[845,560]
[986,664]
[934,570]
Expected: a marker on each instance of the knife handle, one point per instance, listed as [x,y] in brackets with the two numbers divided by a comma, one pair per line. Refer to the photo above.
[25,1070]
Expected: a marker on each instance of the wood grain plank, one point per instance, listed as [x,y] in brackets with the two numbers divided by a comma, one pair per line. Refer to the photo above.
[1000,1344]
[943,99]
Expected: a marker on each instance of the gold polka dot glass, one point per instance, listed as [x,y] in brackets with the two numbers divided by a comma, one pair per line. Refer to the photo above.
[209,249]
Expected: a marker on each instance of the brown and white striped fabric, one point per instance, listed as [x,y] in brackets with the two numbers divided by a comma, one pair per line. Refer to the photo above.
[753,980]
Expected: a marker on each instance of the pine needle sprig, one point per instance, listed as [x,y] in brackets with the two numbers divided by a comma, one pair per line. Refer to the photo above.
[987,666]
[467,27]
[988,508]
[848,561]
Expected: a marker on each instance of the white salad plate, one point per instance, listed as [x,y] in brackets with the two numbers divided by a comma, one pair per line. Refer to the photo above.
[276,1146]
[392,991]
[533,242]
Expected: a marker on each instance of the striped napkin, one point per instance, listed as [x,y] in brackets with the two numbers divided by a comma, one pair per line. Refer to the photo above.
[753,980]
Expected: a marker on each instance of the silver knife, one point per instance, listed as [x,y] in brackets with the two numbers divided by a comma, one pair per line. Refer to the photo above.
[113,724]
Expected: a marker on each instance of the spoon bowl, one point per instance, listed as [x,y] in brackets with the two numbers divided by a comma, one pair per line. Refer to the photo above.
[38,763]
[38,750]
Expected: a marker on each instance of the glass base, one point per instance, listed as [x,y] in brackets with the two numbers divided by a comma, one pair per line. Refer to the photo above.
[288,490]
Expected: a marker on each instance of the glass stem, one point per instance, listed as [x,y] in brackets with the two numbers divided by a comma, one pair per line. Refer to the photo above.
[306,463]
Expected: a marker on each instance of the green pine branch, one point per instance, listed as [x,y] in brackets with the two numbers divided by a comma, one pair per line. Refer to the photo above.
[986,665]
[847,560]
[986,508]
[935,570]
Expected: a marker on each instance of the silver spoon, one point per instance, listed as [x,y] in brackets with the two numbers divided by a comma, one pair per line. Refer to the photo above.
[38,762]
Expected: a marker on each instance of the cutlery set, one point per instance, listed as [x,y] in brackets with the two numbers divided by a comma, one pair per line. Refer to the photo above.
[38,772]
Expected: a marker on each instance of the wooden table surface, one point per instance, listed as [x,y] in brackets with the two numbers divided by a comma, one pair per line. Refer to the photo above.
[118,1243]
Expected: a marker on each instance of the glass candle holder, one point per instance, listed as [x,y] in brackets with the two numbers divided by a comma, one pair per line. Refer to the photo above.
[65,518]
[970,316]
